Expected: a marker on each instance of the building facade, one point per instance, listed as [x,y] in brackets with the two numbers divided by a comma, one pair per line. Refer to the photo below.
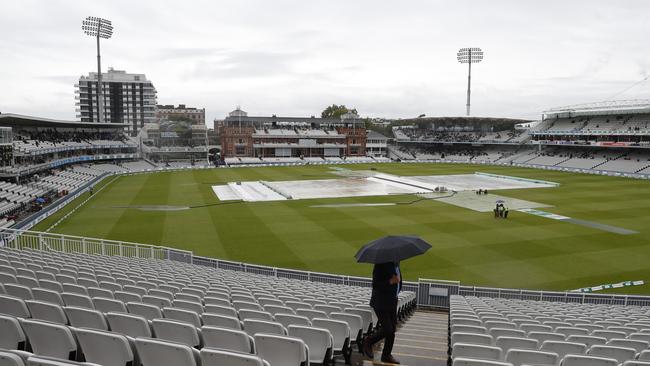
[195,115]
[6,146]
[376,144]
[298,137]
[129,99]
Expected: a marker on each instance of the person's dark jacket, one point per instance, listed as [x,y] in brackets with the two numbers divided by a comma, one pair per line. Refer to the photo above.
[384,295]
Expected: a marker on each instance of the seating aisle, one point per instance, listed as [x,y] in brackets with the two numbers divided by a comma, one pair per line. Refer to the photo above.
[420,341]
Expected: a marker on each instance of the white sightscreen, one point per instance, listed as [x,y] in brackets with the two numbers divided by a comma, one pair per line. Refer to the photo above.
[331,152]
[282,152]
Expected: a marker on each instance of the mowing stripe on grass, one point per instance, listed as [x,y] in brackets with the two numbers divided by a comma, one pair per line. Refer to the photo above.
[518,178]
[78,206]
[548,215]
[604,227]
[591,224]
[154,189]
[355,205]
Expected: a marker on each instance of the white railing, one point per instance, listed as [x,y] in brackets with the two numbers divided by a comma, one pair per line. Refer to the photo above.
[428,293]
[555,296]
[36,240]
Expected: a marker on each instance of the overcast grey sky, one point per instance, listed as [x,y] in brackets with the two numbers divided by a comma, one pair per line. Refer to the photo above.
[386,58]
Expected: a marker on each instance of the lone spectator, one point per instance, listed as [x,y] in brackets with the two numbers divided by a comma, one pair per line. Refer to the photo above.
[386,285]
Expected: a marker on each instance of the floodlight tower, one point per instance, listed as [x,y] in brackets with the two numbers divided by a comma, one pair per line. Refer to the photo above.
[99,28]
[469,56]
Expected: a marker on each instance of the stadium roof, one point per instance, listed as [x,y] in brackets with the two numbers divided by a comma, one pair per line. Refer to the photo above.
[634,106]
[19,120]
[461,120]
[374,135]
[233,120]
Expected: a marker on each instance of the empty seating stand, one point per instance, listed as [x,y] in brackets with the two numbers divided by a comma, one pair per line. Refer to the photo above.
[488,331]
[111,310]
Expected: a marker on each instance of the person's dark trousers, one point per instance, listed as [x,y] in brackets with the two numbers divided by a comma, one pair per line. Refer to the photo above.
[387,319]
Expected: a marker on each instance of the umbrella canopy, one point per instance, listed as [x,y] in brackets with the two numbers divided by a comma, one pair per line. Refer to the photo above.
[501,201]
[40,200]
[392,249]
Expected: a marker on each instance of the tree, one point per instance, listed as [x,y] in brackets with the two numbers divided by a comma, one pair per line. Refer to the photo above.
[336,111]
[179,118]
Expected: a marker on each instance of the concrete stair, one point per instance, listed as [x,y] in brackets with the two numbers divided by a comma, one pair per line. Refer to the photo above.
[644,168]
[421,340]
[607,161]
[563,161]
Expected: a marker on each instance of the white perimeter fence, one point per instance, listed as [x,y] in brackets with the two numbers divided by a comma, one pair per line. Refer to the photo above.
[430,293]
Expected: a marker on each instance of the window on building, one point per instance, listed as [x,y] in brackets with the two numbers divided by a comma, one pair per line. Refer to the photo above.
[240,150]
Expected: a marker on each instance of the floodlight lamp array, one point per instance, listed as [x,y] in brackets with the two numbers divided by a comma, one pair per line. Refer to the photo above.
[470,54]
[93,26]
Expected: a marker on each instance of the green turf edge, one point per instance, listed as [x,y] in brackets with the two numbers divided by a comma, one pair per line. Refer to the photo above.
[49,221]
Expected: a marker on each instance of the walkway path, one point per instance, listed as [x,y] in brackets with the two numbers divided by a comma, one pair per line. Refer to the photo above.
[420,341]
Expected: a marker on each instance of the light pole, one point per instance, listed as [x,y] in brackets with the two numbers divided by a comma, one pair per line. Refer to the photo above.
[469,56]
[99,28]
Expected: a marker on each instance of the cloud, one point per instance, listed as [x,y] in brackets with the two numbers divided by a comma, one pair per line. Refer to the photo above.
[168,54]
[245,64]
[61,79]
[290,57]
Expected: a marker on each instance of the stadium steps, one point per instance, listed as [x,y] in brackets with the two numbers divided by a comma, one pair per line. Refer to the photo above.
[607,161]
[599,164]
[563,161]
[534,157]
[523,142]
[421,340]
[642,169]
[516,155]
[502,156]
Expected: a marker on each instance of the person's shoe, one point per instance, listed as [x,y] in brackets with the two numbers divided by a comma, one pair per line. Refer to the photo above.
[389,359]
[367,349]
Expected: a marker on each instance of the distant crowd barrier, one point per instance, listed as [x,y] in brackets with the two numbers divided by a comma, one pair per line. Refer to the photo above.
[449,161]
[535,166]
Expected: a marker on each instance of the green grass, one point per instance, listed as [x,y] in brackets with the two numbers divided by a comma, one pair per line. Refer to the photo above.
[524,251]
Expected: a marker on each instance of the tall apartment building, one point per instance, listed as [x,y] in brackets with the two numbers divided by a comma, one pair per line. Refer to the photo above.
[129,99]
[196,115]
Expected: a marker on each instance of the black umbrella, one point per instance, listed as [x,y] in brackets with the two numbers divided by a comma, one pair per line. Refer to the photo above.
[392,249]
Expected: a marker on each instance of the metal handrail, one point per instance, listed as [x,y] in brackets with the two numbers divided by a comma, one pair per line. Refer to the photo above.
[430,292]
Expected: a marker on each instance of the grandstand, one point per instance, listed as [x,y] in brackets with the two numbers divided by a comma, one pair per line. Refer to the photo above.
[609,138]
[117,310]
[174,141]
[518,332]
[38,157]
[44,162]
[246,138]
